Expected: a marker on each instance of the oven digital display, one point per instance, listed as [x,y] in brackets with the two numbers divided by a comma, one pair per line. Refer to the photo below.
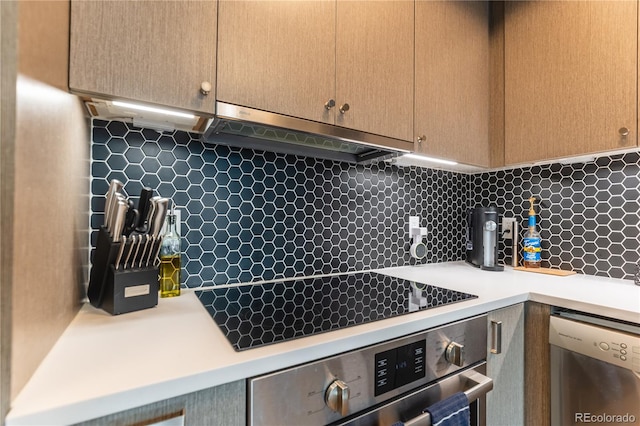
[399,366]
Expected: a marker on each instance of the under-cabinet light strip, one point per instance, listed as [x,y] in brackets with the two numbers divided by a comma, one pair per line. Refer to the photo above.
[152,109]
[429,159]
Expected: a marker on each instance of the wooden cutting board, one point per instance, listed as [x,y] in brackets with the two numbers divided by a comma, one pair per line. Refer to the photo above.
[548,271]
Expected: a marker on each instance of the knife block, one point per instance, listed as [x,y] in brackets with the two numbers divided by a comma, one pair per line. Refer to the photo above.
[130,290]
[104,255]
[119,291]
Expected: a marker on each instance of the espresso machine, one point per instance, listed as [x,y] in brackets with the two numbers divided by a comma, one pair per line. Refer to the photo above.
[483,237]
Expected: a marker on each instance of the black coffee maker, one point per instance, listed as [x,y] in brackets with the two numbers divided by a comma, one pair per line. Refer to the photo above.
[483,238]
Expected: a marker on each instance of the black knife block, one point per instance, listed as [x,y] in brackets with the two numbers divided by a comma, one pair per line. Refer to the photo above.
[119,291]
[130,290]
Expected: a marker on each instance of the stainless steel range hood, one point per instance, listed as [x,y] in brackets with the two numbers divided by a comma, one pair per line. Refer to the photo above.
[250,128]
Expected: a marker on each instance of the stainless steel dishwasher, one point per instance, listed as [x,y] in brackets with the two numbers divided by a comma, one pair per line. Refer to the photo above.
[595,370]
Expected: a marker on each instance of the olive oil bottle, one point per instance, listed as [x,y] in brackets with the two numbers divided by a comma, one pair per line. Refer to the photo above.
[170,259]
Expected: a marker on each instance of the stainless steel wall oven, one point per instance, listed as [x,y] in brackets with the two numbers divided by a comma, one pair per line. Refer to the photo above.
[381,384]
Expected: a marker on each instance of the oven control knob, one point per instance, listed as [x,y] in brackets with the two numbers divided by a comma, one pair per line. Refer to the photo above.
[337,397]
[454,354]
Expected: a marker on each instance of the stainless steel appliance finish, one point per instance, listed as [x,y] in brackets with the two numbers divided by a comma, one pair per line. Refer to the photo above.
[474,383]
[595,370]
[255,129]
[356,387]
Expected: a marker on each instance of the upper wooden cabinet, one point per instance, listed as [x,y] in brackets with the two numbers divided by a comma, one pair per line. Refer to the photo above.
[157,52]
[570,78]
[297,57]
[452,80]
[278,56]
[374,66]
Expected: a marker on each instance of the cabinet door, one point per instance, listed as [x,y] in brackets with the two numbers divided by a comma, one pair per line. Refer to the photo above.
[374,66]
[157,52]
[223,405]
[452,80]
[278,56]
[505,403]
[570,78]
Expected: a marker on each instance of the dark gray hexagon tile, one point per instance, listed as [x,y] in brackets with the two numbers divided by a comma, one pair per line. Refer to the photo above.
[327,203]
[590,205]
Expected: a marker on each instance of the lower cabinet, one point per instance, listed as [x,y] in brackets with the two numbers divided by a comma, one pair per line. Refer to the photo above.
[537,365]
[520,366]
[224,405]
[505,364]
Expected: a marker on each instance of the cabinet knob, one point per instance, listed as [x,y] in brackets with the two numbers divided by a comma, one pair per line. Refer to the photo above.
[344,108]
[205,88]
[623,131]
[421,138]
[329,104]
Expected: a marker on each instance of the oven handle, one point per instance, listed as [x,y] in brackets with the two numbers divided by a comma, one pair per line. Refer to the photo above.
[481,385]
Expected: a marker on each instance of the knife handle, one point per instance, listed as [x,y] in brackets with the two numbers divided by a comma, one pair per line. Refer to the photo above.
[115,186]
[143,206]
[159,216]
[120,252]
[131,220]
[118,222]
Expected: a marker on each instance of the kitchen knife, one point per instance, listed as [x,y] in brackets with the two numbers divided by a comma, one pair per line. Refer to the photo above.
[120,252]
[118,222]
[157,223]
[159,216]
[131,220]
[156,256]
[113,214]
[135,254]
[115,186]
[153,206]
[146,238]
[143,208]
[132,240]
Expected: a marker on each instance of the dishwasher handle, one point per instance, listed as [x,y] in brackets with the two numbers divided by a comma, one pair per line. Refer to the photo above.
[481,386]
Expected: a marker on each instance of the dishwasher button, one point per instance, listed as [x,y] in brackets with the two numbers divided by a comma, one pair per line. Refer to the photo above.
[636,349]
[604,346]
[623,358]
[623,345]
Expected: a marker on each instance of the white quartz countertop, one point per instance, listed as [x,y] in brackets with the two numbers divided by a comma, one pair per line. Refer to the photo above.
[104,364]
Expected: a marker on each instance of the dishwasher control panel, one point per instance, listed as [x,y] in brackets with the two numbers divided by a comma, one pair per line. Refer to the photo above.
[612,346]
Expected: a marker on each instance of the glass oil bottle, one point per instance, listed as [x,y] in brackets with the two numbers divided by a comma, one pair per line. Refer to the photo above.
[170,261]
[532,241]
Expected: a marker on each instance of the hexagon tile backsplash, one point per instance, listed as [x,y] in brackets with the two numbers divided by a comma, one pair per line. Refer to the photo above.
[590,214]
[251,216]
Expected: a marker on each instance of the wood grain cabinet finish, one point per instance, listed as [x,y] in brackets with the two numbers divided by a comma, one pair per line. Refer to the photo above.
[570,78]
[292,57]
[374,66]
[156,52]
[452,80]
[278,56]
[223,405]
[506,402]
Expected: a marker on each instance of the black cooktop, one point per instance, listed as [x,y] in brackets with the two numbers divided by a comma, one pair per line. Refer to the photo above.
[260,314]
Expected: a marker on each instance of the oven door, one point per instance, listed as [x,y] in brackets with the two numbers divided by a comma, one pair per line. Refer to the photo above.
[408,408]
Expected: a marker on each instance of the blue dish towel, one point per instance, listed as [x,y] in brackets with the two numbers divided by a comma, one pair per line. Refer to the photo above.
[452,411]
